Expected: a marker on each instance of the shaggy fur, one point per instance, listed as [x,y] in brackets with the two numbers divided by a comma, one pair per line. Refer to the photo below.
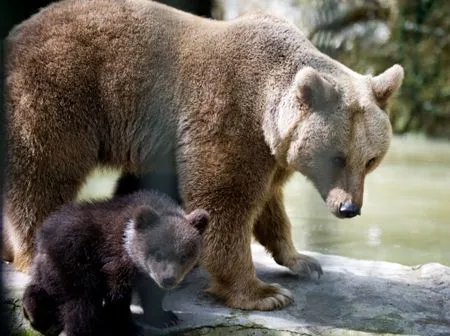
[241,105]
[90,255]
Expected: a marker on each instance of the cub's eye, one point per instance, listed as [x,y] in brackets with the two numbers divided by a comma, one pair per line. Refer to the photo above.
[183,259]
[339,161]
[370,163]
[189,255]
[157,255]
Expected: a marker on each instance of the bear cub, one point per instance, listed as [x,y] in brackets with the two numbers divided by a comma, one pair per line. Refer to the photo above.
[90,255]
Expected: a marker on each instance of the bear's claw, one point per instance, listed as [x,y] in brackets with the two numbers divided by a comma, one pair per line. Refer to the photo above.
[305,266]
[262,297]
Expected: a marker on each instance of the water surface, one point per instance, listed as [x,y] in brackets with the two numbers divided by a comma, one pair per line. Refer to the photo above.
[405,217]
[406,212]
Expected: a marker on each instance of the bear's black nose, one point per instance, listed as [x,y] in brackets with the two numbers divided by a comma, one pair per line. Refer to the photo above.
[349,210]
[168,282]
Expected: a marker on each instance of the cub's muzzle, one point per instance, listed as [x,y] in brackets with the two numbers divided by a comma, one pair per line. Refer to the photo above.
[169,282]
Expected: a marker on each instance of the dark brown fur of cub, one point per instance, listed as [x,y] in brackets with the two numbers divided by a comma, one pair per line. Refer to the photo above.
[90,255]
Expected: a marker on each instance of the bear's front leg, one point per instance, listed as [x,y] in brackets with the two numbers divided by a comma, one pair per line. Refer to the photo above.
[227,241]
[273,231]
[227,257]
[229,175]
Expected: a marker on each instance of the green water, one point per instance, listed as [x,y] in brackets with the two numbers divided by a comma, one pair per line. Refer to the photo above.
[405,217]
[406,212]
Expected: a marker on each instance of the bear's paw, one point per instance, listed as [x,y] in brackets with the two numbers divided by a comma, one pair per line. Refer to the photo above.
[260,296]
[304,266]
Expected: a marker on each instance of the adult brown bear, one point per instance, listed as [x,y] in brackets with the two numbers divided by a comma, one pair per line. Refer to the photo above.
[241,105]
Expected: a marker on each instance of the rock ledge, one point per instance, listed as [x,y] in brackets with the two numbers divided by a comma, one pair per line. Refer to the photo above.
[353,297]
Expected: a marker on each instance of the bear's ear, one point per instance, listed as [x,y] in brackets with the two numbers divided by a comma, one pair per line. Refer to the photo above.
[199,219]
[145,217]
[312,89]
[385,84]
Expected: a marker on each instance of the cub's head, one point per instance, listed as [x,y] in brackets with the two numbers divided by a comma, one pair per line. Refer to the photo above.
[334,130]
[166,245]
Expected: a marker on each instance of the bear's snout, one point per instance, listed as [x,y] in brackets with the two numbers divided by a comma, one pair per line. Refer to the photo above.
[349,210]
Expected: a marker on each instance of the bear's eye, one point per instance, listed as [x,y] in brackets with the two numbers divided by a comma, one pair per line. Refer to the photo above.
[339,161]
[370,163]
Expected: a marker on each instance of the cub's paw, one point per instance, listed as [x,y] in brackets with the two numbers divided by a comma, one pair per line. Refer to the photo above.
[120,327]
[305,266]
[170,319]
[135,330]
[162,319]
[256,296]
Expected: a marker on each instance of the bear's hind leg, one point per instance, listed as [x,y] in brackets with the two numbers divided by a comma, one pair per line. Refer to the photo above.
[273,231]
[38,182]
[7,251]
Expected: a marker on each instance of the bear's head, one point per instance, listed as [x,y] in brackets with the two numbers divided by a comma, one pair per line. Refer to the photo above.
[166,245]
[334,130]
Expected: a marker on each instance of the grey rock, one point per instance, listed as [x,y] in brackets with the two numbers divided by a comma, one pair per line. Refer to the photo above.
[353,297]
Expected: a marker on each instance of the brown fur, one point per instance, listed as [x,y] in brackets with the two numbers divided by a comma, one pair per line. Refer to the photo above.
[242,103]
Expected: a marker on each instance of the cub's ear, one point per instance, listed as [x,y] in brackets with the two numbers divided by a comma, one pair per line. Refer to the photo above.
[199,219]
[387,83]
[312,89]
[145,217]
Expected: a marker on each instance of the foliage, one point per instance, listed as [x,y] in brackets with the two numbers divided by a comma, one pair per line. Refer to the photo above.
[370,36]
[420,41]
[339,24]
